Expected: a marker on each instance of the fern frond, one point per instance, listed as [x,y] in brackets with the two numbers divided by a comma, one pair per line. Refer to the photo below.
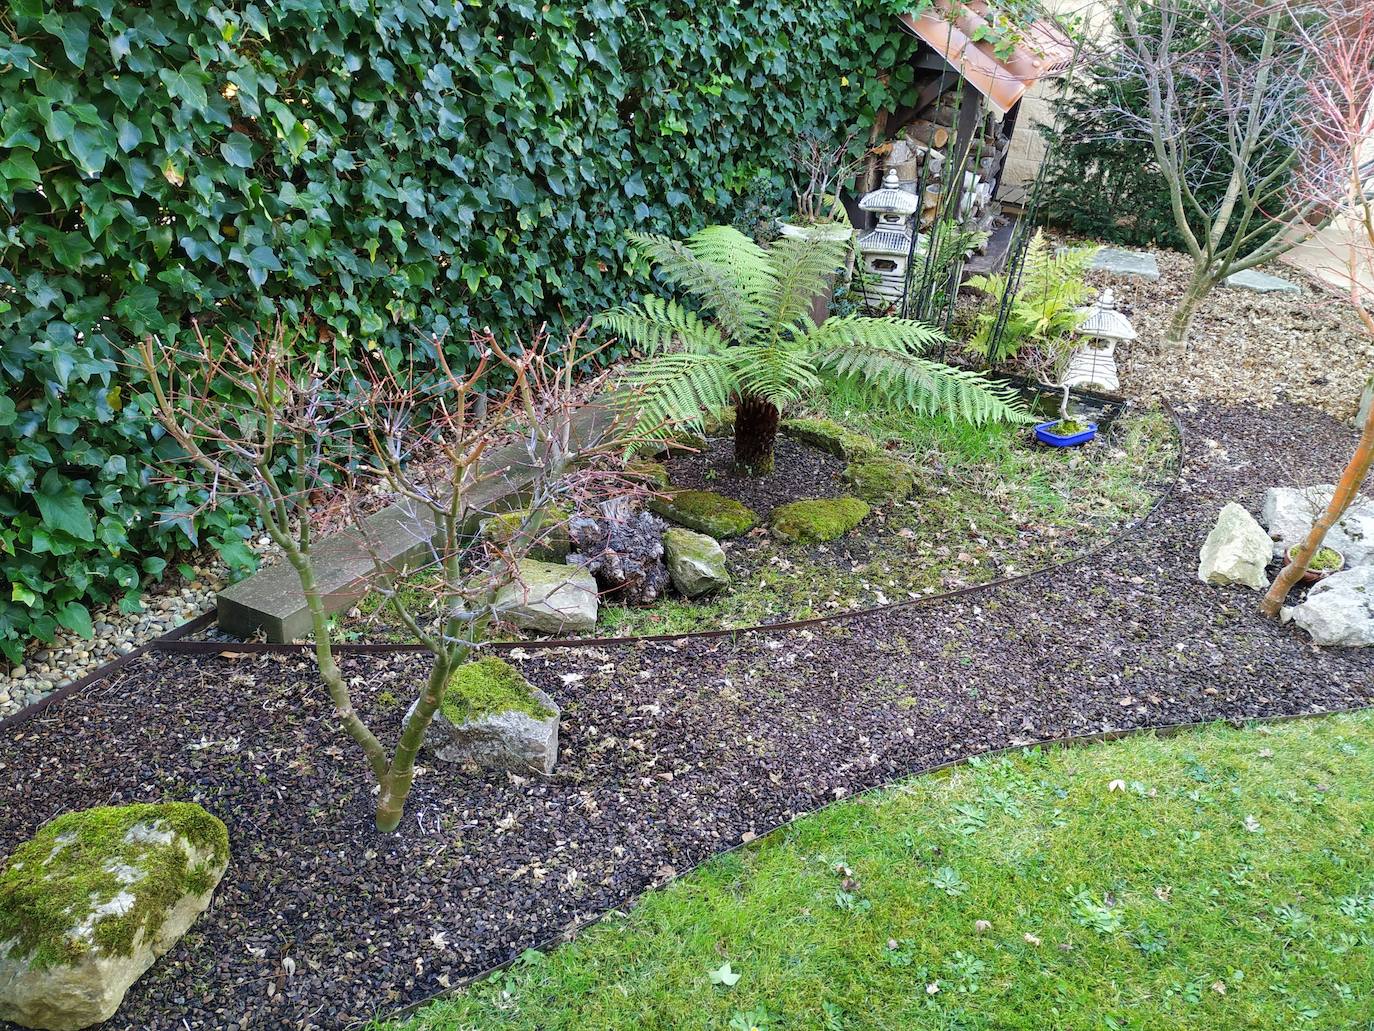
[658,325]
[801,269]
[925,386]
[778,374]
[678,389]
[888,332]
[731,288]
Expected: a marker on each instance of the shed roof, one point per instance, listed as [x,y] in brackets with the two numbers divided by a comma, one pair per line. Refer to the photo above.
[948,28]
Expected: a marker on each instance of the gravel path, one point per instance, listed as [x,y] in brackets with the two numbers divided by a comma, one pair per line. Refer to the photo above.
[1264,349]
[669,754]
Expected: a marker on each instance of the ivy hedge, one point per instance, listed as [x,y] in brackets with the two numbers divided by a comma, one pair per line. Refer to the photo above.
[366,172]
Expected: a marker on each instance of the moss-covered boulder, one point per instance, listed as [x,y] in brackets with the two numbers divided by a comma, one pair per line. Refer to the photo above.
[93,899]
[829,436]
[652,474]
[548,531]
[880,479]
[814,522]
[492,716]
[706,512]
[549,598]
[696,563]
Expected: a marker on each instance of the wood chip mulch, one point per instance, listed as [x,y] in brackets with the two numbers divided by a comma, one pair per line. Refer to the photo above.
[668,754]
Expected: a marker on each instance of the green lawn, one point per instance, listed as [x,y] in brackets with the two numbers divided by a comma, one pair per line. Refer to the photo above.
[1218,880]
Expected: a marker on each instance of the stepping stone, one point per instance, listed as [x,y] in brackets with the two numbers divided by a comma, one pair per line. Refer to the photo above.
[271,600]
[1126,263]
[1260,282]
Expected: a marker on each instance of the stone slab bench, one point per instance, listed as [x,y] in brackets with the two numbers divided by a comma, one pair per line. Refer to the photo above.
[271,600]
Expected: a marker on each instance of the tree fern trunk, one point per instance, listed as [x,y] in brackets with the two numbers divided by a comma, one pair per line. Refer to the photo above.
[756,428]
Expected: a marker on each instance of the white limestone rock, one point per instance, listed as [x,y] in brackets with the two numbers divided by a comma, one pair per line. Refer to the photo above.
[128,882]
[1236,551]
[1338,610]
[1289,513]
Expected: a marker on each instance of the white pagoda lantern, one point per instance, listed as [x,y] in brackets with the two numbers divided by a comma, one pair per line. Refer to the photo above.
[886,249]
[1093,365]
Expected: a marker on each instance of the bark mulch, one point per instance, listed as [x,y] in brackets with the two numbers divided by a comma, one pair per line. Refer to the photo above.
[800,473]
[669,753]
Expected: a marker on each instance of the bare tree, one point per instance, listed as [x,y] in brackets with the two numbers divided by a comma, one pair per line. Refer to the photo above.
[1338,161]
[284,431]
[1225,95]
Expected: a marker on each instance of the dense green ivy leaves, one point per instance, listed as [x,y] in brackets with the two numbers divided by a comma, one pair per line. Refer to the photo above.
[365,171]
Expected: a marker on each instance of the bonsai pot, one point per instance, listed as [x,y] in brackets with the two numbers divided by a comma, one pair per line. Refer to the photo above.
[1310,575]
[1046,433]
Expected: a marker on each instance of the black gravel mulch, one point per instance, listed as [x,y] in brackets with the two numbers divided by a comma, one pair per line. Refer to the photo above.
[668,754]
[800,473]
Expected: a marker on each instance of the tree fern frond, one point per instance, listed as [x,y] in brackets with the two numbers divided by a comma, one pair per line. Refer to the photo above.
[678,389]
[801,270]
[927,387]
[879,331]
[779,375]
[729,289]
[658,325]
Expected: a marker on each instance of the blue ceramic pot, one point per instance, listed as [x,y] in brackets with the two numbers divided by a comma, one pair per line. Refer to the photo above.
[1046,435]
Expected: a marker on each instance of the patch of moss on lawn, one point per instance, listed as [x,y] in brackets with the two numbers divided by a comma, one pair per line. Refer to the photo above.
[880,479]
[487,687]
[706,512]
[54,884]
[815,522]
[830,437]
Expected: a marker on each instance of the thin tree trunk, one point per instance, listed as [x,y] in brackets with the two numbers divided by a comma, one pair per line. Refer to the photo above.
[756,430]
[395,786]
[1351,480]
[1198,288]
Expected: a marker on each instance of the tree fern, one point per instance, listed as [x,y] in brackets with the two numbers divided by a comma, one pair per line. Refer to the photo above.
[761,349]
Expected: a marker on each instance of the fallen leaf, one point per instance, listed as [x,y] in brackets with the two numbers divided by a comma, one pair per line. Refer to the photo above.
[723,975]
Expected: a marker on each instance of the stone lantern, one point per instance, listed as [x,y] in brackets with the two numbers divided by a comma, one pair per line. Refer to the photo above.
[887,247]
[1094,363]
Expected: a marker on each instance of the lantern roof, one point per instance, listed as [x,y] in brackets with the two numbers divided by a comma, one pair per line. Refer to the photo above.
[1102,320]
[890,197]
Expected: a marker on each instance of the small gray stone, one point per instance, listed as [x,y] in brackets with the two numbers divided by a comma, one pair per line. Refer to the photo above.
[1236,551]
[696,562]
[1126,263]
[549,598]
[1338,610]
[1260,282]
[1289,513]
[19,672]
[514,741]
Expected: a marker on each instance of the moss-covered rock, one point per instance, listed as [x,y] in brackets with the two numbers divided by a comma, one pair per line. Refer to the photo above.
[696,562]
[89,903]
[489,686]
[879,478]
[653,474]
[492,716]
[549,597]
[548,530]
[814,522]
[829,436]
[706,512]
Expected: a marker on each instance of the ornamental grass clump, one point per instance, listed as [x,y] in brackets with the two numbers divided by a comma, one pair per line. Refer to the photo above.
[753,343]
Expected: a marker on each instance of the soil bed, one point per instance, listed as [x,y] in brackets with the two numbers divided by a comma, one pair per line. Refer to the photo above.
[668,753]
[799,473]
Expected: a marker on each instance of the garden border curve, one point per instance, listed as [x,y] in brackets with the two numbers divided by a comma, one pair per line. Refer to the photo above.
[572,931]
[174,642]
